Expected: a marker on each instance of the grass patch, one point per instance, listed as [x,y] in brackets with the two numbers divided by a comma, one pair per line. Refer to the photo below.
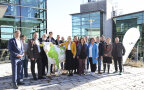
[133,63]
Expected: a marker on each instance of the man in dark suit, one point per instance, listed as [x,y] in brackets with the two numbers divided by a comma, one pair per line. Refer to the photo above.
[62,40]
[34,55]
[43,54]
[57,41]
[117,53]
[16,50]
[101,51]
[51,39]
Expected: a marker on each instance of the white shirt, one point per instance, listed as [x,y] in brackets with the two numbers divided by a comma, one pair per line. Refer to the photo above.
[49,39]
[25,47]
[87,43]
[69,46]
[97,44]
[37,43]
[90,51]
[43,39]
[18,41]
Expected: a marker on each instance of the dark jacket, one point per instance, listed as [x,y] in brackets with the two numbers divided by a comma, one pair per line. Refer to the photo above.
[108,50]
[118,50]
[79,48]
[14,50]
[101,48]
[33,50]
[56,42]
[52,40]
[62,41]
[41,40]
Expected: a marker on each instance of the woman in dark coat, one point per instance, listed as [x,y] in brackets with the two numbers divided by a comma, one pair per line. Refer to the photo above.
[82,55]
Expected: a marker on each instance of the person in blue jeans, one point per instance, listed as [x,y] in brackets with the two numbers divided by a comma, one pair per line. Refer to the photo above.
[99,58]
[86,61]
[25,58]
[16,50]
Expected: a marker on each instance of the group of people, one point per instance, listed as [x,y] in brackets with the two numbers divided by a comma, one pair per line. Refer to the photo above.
[84,52]
[80,53]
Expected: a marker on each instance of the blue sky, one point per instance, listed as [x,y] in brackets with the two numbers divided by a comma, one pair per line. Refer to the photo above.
[59,19]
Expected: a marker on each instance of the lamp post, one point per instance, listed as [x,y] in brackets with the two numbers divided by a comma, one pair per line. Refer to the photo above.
[90,22]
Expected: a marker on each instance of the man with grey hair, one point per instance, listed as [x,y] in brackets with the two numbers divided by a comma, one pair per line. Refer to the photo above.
[34,55]
[117,53]
[16,50]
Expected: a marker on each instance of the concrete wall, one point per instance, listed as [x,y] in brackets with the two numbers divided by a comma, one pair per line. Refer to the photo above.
[93,6]
[106,7]
[107,32]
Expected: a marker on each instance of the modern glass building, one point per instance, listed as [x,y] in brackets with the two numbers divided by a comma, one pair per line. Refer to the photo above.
[124,22]
[87,24]
[97,18]
[27,16]
[94,19]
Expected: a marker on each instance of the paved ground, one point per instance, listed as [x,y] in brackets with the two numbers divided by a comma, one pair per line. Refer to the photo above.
[132,79]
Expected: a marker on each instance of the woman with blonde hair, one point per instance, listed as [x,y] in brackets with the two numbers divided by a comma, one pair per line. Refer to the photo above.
[107,58]
[70,49]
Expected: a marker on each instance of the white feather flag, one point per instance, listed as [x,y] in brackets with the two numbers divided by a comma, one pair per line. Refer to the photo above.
[130,39]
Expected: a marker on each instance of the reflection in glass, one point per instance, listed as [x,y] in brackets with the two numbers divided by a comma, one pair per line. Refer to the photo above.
[86,24]
[26,15]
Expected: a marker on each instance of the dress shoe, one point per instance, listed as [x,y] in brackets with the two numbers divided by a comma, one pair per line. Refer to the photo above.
[15,86]
[120,73]
[21,83]
[35,78]
[70,74]
[115,71]
[99,73]
[41,78]
[75,72]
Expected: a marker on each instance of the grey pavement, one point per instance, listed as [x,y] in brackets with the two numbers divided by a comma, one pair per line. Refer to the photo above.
[131,79]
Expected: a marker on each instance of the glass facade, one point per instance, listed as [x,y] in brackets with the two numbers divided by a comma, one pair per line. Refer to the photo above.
[125,22]
[28,16]
[87,24]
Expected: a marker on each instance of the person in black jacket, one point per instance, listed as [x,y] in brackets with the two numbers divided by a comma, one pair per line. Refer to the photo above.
[57,41]
[101,52]
[43,54]
[62,40]
[82,55]
[51,39]
[117,53]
